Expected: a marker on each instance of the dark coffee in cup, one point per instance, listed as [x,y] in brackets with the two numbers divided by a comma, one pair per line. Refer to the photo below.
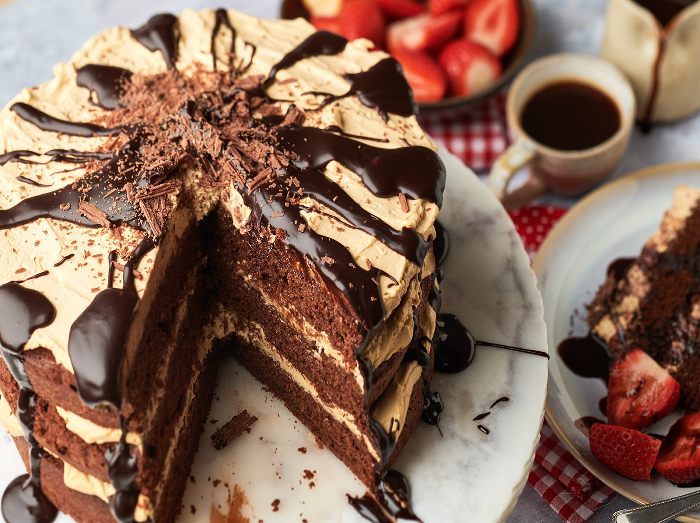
[570,116]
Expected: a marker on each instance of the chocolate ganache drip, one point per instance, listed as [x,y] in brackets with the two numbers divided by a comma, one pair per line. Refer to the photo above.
[382,87]
[122,469]
[50,123]
[415,171]
[98,337]
[222,19]
[319,43]
[22,311]
[161,33]
[106,83]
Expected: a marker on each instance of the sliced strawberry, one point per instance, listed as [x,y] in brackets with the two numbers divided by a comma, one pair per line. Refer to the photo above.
[323,8]
[628,452]
[400,9]
[493,23]
[326,24]
[424,76]
[679,457]
[423,32]
[362,19]
[437,7]
[470,67]
[640,392]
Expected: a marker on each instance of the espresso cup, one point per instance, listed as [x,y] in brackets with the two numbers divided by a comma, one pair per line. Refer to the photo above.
[567,172]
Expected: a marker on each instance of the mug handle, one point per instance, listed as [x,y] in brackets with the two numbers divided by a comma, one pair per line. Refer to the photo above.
[515,157]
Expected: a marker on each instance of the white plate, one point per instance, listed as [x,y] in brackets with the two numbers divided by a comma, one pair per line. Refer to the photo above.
[490,286]
[613,222]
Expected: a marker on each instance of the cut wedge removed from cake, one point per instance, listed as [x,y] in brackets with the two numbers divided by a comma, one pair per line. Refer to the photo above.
[652,302]
[209,183]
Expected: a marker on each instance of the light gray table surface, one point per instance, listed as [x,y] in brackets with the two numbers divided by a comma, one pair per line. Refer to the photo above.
[36,34]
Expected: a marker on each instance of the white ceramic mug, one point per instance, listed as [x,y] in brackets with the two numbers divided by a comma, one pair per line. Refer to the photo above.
[565,172]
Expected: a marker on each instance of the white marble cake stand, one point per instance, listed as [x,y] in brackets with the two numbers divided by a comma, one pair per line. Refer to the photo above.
[462,475]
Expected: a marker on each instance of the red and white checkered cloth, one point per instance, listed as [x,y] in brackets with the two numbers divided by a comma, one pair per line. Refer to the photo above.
[478,138]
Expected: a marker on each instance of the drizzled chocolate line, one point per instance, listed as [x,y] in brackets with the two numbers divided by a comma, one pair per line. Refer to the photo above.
[98,337]
[22,311]
[393,500]
[417,171]
[319,43]
[31,182]
[160,33]
[222,19]
[57,155]
[382,87]
[338,130]
[105,82]
[122,469]
[37,275]
[47,122]
[63,260]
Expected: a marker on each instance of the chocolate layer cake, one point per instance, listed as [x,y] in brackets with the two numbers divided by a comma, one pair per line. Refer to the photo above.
[209,183]
[653,303]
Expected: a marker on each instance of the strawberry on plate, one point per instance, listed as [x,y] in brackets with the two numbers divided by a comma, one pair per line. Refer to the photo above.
[470,67]
[423,32]
[628,452]
[399,9]
[493,23]
[424,76]
[679,457]
[640,392]
[437,7]
[362,19]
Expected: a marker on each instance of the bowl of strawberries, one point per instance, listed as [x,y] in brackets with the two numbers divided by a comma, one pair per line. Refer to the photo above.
[453,52]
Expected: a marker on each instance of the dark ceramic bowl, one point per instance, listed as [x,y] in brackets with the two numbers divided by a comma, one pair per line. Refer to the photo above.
[512,62]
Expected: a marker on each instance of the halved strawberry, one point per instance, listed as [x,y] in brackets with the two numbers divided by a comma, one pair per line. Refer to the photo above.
[679,457]
[493,23]
[423,32]
[470,67]
[362,19]
[424,76]
[326,24]
[628,452]
[400,9]
[437,7]
[323,8]
[640,392]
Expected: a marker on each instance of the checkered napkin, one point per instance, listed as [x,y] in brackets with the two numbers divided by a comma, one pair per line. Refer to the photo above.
[478,138]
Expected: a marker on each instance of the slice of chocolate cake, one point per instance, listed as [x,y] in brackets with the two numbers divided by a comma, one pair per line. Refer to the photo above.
[207,184]
[653,303]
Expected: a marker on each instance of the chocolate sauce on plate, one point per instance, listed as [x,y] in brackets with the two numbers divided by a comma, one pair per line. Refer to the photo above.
[588,356]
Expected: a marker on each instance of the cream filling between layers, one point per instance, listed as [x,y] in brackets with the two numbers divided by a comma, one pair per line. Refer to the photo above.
[391,409]
[91,433]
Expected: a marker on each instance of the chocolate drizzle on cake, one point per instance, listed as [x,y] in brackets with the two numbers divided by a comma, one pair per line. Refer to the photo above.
[392,501]
[98,337]
[31,182]
[105,82]
[321,43]
[57,155]
[22,311]
[338,130]
[382,87]
[160,33]
[221,18]
[122,469]
[46,122]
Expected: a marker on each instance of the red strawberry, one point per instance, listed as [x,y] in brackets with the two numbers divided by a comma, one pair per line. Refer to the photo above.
[493,23]
[362,19]
[679,457]
[628,452]
[424,76]
[640,392]
[423,32]
[399,9]
[326,24]
[437,7]
[470,67]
